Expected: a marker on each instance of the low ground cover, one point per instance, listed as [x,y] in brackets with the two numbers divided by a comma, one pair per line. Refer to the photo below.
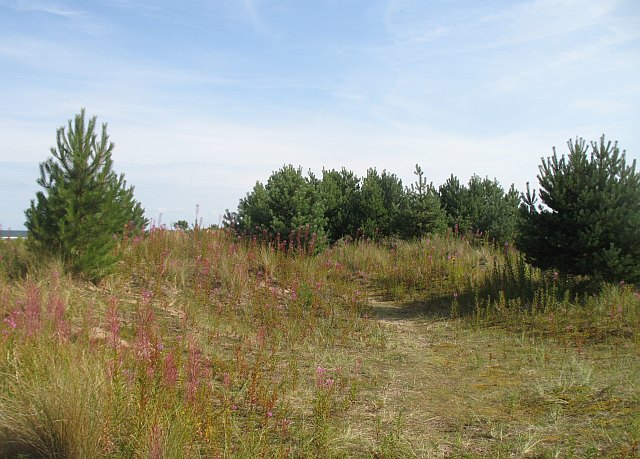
[204,345]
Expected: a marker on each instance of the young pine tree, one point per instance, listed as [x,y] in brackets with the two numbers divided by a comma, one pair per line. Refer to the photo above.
[421,213]
[84,205]
[590,221]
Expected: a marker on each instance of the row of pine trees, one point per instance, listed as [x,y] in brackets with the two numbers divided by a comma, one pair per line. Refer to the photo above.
[341,204]
[588,221]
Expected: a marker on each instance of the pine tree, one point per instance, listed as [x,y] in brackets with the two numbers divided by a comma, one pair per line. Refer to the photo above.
[84,205]
[590,221]
[339,191]
[421,213]
[288,202]
[481,207]
[452,197]
[380,200]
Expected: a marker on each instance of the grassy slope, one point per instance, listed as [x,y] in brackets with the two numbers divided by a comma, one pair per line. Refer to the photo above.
[476,391]
[201,346]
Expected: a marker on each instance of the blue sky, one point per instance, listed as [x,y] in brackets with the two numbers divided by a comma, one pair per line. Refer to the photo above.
[203,98]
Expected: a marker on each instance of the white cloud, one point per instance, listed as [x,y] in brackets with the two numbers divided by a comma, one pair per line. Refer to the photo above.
[35,52]
[44,7]
[237,155]
[542,19]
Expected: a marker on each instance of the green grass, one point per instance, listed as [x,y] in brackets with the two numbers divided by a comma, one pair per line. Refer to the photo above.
[202,345]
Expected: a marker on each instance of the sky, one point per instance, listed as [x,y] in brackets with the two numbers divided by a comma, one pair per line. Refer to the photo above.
[204,98]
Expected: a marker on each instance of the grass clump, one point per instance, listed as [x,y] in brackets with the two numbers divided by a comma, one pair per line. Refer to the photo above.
[52,409]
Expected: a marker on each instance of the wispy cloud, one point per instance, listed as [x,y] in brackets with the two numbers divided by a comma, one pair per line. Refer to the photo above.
[139,6]
[42,7]
[65,18]
[250,12]
[566,64]
[473,27]
[34,51]
[251,8]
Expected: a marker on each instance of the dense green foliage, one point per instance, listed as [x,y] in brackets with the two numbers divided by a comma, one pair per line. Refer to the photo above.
[339,204]
[481,207]
[590,222]
[287,203]
[84,203]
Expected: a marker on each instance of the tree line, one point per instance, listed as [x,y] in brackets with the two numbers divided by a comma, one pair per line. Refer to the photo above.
[340,204]
[583,220]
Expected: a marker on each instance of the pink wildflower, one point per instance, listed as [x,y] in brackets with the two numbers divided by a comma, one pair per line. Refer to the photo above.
[146,296]
[194,360]
[33,311]
[156,443]
[10,321]
[169,370]
[320,372]
[285,423]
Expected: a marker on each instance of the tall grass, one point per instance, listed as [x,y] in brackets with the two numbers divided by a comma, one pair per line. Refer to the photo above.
[203,344]
[198,346]
[469,277]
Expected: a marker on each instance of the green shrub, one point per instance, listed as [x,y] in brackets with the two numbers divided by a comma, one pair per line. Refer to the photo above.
[590,221]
